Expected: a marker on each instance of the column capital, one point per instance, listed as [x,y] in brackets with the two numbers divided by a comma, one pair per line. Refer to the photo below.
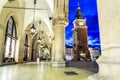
[60,21]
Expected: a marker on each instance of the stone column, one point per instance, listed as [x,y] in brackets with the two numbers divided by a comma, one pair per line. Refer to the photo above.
[19,50]
[52,50]
[59,41]
[109,20]
[61,8]
[2,46]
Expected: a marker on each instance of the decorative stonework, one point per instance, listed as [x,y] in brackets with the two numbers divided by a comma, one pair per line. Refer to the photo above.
[60,21]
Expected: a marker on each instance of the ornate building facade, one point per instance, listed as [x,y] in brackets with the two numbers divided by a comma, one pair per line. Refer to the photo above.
[18,17]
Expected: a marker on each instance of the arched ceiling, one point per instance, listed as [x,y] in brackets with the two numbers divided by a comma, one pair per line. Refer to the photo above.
[4,2]
[42,14]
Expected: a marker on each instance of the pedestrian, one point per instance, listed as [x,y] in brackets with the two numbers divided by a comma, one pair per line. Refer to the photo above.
[37,57]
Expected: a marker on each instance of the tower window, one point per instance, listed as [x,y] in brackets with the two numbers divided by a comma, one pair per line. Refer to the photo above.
[80,47]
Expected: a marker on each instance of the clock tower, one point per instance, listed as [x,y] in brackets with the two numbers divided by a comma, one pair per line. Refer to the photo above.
[80,46]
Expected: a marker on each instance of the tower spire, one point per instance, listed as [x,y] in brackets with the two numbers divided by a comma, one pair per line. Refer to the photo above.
[78,12]
[78,4]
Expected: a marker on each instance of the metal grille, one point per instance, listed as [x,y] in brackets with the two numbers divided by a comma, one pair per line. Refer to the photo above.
[70,73]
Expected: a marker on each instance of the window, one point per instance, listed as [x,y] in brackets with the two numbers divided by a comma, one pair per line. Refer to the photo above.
[10,41]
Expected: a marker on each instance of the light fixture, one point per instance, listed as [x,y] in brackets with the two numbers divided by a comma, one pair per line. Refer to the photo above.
[50,18]
[41,46]
[33,29]
[11,0]
[39,40]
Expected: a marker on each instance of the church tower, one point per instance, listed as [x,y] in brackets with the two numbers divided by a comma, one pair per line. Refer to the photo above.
[80,47]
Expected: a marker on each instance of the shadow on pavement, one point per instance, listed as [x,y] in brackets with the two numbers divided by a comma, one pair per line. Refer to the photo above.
[87,65]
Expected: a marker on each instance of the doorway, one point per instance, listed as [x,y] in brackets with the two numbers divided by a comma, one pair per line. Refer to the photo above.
[25,49]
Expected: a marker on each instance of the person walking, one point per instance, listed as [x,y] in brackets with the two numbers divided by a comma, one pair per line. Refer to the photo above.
[37,57]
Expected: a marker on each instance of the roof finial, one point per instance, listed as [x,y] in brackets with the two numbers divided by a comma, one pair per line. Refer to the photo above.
[78,4]
[78,12]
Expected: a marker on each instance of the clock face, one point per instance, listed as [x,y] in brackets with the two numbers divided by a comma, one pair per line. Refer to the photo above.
[81,23]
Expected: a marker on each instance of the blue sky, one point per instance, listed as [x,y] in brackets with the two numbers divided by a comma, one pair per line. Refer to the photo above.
[89,11]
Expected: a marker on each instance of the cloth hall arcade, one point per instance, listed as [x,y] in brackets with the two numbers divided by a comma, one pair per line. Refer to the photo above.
[28,26]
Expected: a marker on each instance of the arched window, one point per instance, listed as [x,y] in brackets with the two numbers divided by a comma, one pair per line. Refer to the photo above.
[25,48]
[10,41]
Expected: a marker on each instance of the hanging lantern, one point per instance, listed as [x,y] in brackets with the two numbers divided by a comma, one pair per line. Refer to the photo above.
[11,0]
[39,40]
[32,29]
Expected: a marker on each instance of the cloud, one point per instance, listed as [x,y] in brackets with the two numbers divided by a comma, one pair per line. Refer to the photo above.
[69,41]
[94,42]
[89,10]
[91,40]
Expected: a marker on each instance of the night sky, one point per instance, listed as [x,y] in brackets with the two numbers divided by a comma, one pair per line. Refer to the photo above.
[89,10]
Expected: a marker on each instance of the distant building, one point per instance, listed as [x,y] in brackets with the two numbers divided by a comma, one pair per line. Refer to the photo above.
[68,53]
[80,47]
[95,53]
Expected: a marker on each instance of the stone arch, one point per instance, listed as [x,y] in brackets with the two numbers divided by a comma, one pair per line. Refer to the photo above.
[42,11]
[5,14]
[33,38]
[38,17]
[42,27]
